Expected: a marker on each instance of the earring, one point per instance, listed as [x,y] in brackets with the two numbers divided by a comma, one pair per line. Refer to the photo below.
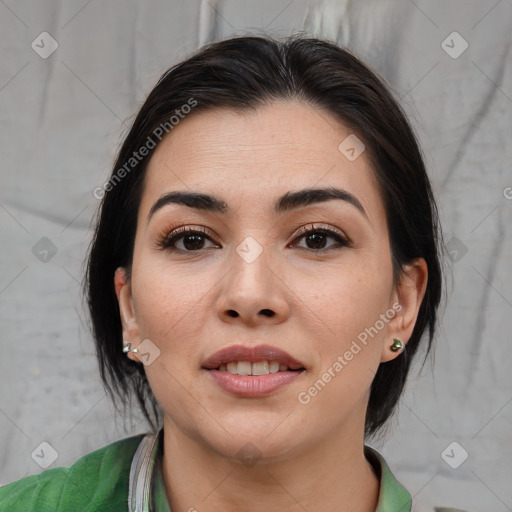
[127,348]
[397,345]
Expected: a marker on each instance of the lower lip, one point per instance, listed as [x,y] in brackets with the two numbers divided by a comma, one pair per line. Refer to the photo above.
[253,386]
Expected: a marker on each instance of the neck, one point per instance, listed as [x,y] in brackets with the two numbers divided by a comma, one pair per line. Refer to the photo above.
[333,475]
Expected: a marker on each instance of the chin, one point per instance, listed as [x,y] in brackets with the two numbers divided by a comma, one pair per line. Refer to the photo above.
[249,451]
[255,442]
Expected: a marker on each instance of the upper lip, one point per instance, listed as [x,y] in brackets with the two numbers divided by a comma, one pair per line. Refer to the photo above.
[252,354]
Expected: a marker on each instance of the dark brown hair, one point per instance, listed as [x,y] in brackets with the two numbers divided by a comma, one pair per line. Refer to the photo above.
[244,73]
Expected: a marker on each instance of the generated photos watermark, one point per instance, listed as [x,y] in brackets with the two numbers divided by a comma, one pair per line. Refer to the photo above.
[157,135]
[341,361]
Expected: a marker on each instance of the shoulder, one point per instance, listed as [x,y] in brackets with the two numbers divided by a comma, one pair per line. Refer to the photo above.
[95,480]
[393,496]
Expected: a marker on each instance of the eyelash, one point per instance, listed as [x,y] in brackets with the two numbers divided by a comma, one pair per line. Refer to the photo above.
[167,241]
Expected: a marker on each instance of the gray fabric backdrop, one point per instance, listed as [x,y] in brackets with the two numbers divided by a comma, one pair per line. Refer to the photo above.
[62,118]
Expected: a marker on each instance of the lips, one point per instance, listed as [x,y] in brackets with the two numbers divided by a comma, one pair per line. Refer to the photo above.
[252,372]
[254,354]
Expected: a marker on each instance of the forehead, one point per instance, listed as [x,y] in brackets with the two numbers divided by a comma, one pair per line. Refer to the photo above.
[252,157]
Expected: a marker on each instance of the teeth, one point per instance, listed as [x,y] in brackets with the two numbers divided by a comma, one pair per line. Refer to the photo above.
[273,366]
[258,368]
[244,368]
[232,367]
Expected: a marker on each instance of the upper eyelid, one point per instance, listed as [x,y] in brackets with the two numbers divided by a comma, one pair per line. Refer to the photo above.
[299,230]
[313,226]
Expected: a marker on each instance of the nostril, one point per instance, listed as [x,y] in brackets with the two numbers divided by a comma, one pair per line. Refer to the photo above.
[232,313]
[267,312]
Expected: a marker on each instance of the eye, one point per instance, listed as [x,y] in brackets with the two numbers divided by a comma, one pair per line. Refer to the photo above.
[193,239]
[316,237]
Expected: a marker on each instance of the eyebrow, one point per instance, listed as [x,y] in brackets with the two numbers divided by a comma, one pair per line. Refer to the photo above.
[287,202]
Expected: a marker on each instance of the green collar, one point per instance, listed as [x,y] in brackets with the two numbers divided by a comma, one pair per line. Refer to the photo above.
[147,488]
[393,496]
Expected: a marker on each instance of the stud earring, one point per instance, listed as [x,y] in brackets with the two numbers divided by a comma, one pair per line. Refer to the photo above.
[127,348]
[397,345]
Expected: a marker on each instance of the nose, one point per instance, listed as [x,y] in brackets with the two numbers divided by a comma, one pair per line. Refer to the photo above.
[253,291]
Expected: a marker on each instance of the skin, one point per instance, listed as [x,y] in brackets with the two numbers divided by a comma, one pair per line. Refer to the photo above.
[310,457]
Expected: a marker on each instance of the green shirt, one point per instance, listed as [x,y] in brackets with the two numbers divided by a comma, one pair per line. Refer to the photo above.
[127,476]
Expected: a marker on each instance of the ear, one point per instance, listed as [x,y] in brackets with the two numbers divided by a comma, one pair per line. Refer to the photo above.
[126,310]
[408,294]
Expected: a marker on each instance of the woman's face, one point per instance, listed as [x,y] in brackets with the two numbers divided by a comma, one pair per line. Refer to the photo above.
[251,277]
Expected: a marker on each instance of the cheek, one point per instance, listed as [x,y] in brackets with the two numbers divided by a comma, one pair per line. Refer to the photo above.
[349,333]
[170,308]
[347,336]
[346,300]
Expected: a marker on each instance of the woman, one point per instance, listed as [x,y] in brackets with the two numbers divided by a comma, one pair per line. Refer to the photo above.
[264,268]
